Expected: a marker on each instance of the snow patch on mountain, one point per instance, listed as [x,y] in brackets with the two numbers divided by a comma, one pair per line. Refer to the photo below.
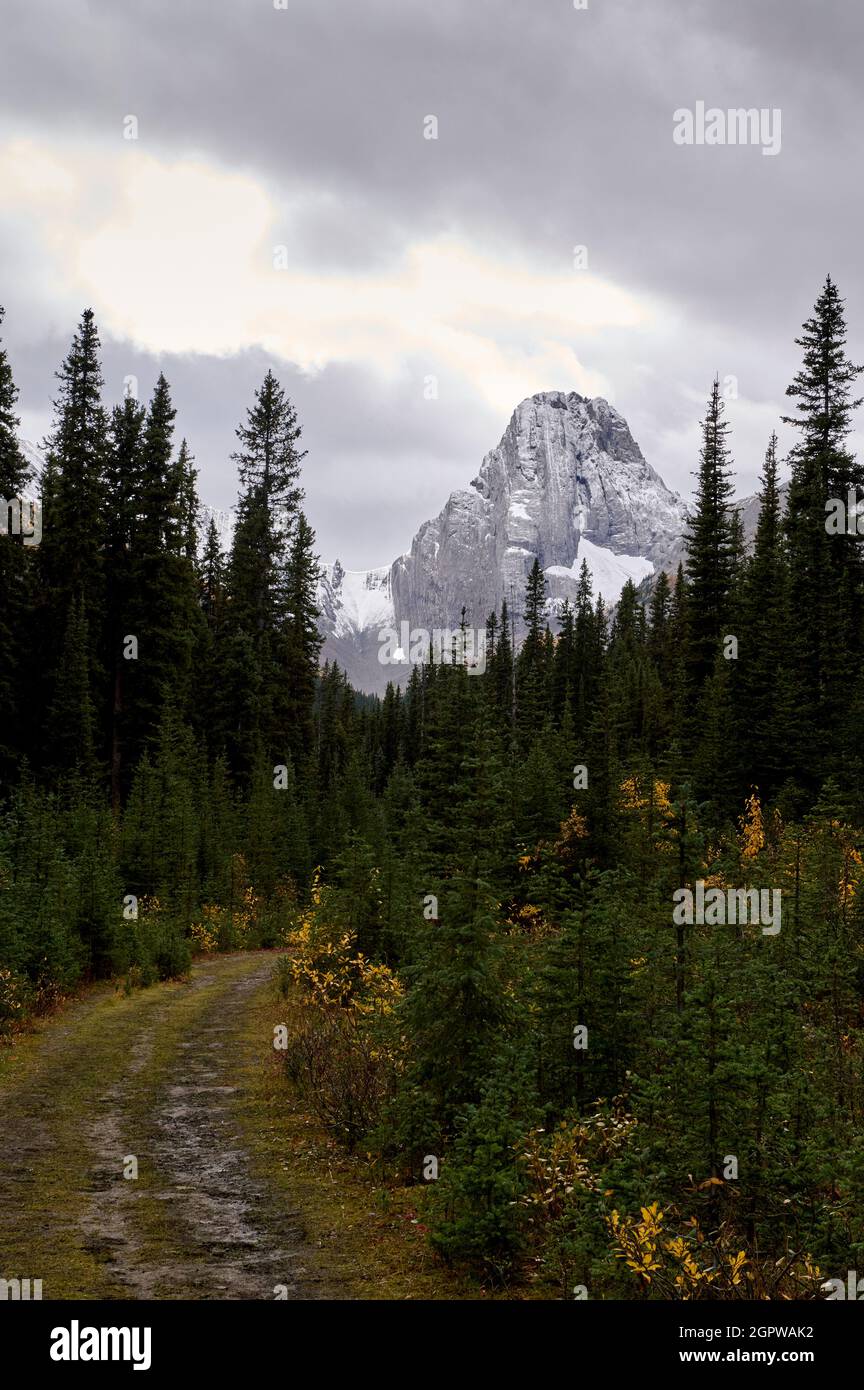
[34,456]
[353,601]
[609,572]
[225,519]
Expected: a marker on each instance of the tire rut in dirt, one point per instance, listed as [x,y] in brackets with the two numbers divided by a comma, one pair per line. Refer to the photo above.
[239,1240]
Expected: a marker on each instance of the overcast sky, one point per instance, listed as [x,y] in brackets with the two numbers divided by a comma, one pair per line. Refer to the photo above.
[282,207]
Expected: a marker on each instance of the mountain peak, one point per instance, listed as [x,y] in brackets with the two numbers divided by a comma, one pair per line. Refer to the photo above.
[567,482]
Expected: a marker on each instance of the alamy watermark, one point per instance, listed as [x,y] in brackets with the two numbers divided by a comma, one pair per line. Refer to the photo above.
[20,1290]
[852,1289]
[719,907]
[77,1343]
[737,126]
[845,517]
[21,516]
[459,646]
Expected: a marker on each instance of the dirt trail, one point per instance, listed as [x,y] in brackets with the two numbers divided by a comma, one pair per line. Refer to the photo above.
[157,1076]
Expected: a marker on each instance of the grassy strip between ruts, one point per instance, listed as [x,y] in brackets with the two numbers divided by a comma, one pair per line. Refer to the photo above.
[371,1240]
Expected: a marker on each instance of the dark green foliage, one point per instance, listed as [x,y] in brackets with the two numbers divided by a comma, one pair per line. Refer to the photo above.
[825,570]
[268,648]
[219,786]
[15,581]
[710,547]
[475,1218]
[455,1010]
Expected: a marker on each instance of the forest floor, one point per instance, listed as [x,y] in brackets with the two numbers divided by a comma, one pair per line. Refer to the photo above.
[238,1193]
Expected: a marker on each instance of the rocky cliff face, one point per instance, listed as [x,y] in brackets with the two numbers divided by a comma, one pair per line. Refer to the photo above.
[567,482]
[749,508]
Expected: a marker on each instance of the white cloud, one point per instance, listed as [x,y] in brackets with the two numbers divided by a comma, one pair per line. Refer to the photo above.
[178,257]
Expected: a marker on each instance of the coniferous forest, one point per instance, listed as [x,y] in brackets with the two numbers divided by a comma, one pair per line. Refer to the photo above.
[471,881]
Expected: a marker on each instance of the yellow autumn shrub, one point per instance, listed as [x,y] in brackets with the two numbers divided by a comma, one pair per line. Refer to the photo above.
[343,1042]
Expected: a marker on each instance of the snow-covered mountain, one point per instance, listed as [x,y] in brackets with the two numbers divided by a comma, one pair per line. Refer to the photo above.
[354,600]
[34,456]
[355,606]
[224,517]
[567,471]
[567,484]
[609,572]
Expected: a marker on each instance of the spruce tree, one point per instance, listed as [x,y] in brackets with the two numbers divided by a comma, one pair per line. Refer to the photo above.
[455,1008]
[302,642]
[212,580]
[122,488]
[825,569]
[71,716]
[504,671]
[709,538]
[589,637]
[270,557]
[15,571]
[161,611]
[762,677]
[71,554]
[531,663]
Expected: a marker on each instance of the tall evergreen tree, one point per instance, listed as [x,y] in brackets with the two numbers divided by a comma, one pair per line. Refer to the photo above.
[531,661]
[271,552]
[825,570]
[14,579]
[762,676]
[302,641]
[122,487]
[161,612]
[710,560]
[71,554]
